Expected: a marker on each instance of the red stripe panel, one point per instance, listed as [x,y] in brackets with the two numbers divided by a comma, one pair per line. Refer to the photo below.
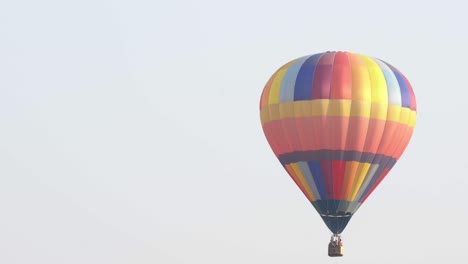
[337,133]
[318,123]
[326,167]
[307,133]
[281,137]
[398,137]
[374,135]
[321,132]
[292,136]
[403,143]
[338,172]
[357,132]
[388,137]
[271,138]
[322,77]
[341,77]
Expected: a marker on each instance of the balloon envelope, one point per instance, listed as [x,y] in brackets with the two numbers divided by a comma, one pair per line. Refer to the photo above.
[338,122]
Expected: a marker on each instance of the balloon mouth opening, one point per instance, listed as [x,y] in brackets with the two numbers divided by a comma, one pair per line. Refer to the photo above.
[336,223]
[336,215]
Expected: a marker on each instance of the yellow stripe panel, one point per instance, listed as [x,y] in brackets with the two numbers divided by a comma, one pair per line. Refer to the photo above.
[360,108]
[379,91]
[301,178]
[402,115]
[326,107]
[274,112]
[286,110]
[362,170]
[339,108]
[266,92]
[405,115]
[303,108]
[265,115]
[274,96]
[318,107]
[412,119]
[394,112]
[379,111]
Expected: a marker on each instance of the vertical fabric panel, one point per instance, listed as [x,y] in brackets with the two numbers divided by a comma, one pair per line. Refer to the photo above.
[371,173]
[322,77]
[379,93]
[361,173]
[326,168]
[276,84]
[317,174]
[305,132]
[341,85]
[288,85]
[271,138]
[394,94]
[374,134]
[361,88]
[302,180]
[289,127]
[266,91]
[356,134]
[404,90]
[305,76]
[310,180]
[338,171]
[350,174]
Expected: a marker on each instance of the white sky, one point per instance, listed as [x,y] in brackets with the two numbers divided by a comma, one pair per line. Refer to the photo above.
[130,132]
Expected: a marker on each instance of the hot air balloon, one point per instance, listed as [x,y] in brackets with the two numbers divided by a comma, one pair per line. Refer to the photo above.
[337,122]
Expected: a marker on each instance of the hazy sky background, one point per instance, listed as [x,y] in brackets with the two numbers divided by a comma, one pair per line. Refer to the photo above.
[130,132]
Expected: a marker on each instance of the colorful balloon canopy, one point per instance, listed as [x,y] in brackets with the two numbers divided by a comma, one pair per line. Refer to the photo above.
[338,122]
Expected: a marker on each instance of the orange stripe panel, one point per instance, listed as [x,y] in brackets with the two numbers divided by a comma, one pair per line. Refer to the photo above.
[350,174]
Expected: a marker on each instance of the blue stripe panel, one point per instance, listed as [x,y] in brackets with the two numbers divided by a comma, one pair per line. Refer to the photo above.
[316,172]
[289,80]
[394,94]
[405,95]
[305,77]
[310,180]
